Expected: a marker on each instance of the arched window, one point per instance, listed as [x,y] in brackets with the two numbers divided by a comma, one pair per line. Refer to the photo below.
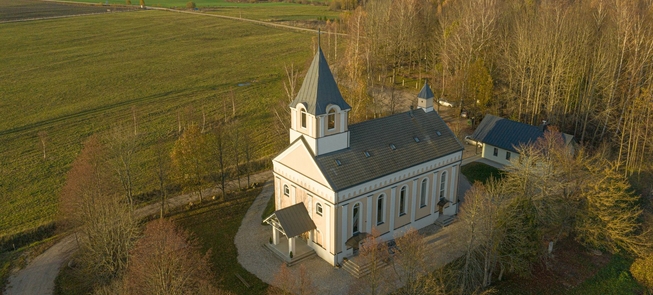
[286,190]
[379,210]
[303,118]
[355,219]
[318,209]
[422,196]
[443,183]
[402,201]
[331,119]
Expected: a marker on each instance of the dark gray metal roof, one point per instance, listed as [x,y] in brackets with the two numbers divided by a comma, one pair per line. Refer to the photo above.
[375,137]
[319,89]
[295,220]
[506,134]
[426,92]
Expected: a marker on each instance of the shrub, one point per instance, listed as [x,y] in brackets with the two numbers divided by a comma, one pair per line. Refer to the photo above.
[642,270]
[190,5]
[128,2]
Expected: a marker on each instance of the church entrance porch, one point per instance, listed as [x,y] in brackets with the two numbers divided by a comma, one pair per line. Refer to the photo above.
[288,226]
[282,250]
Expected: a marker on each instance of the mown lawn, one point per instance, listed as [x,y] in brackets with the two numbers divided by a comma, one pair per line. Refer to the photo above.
[216,227]
[77,76]
[476,171]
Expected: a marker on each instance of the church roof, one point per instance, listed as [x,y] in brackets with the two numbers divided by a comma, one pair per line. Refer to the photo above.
[319,89]
[426,92]
[386,145]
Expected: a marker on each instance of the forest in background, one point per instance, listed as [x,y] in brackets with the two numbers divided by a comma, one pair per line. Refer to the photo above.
[584,66]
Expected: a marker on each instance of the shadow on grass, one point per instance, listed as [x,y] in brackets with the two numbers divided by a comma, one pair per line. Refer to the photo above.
[476,171]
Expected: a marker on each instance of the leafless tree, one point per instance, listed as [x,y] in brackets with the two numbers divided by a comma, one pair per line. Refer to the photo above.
[167,260]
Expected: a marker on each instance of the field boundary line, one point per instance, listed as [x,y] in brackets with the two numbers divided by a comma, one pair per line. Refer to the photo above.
[54,17]
[241,19]
[269,24]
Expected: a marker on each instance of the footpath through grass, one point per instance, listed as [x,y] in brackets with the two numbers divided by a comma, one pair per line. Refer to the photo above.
[77,76]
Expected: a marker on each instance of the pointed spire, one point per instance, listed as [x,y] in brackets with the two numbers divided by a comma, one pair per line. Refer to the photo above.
[319,89]
[426,92]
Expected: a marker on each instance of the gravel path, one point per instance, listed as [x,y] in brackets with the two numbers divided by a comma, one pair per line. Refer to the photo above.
[250,241]
[39,275]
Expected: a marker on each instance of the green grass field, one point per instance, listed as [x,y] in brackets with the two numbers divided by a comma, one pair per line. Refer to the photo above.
[77,76]
[277,12]
[198,3]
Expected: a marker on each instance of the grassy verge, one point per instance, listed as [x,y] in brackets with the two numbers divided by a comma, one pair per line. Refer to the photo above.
[476,171]
[69,80]
[614,278]
[216,226]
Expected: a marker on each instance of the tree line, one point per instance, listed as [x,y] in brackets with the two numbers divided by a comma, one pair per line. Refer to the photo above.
[98,200]
[584,66]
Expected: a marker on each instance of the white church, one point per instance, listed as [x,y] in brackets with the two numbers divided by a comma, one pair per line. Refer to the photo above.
[336,182]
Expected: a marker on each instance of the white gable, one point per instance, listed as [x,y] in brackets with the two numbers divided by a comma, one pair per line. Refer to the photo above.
[298,157]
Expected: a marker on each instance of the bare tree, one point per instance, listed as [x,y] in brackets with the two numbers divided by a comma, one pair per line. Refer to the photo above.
[374,252]
[123,145]
[106,225]
[162,172]
[218,141]
[167,260]
[410,261]
[286,283]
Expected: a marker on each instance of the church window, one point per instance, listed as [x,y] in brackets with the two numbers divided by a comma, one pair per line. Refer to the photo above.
[286,190]
[393,147]
[367,154]
[416,139]
[303,119]
[402,201]
[422,197]
[379,210]
[438,133]
[443,182]
[356,219]
[331,119]
[318,209]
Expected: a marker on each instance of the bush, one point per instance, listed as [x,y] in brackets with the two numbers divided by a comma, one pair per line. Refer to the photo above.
[128,2]
[190,5]
[334,5]
[642,270]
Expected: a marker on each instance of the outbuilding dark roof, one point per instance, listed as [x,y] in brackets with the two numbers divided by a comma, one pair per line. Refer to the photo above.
[319,89]
[294,220]
[393,143]
[426,92]
[506,134]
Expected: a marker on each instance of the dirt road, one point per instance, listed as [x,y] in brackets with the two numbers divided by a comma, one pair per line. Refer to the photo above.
[39,275]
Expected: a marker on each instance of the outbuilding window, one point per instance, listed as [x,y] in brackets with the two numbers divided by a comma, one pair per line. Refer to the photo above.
[508,156]
[496,152]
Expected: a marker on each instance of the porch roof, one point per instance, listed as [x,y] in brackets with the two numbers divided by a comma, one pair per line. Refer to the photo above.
[291,221]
